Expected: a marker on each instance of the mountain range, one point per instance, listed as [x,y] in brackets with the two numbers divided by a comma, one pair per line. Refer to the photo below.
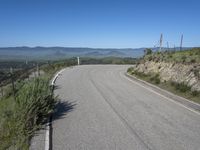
[52,53]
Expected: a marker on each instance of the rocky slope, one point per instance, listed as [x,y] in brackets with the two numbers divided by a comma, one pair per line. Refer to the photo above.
[188,74]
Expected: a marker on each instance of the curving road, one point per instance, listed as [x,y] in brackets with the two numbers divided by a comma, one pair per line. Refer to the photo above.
[100,109]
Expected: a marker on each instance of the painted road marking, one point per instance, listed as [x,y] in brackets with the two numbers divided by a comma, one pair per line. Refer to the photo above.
[192,110]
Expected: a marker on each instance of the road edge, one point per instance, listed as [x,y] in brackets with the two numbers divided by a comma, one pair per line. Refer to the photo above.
[48,126]
[183,101]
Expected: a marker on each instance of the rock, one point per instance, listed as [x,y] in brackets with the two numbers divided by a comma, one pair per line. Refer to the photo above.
[176,72]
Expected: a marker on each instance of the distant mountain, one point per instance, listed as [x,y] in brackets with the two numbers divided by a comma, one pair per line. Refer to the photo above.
[94,54]
[112,53]
[50,53]
[59,54]
[116,54]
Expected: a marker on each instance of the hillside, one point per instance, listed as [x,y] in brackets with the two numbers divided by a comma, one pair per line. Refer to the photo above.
[177,71]
[185,56]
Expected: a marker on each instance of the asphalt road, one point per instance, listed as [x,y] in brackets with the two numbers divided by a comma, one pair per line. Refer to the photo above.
[100,109]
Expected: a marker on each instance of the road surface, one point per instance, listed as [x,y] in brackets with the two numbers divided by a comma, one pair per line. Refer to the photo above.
[100,109]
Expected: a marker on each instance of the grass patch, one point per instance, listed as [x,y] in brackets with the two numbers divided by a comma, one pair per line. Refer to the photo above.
[185,56]
[20,118]
[153,78]
[182,87]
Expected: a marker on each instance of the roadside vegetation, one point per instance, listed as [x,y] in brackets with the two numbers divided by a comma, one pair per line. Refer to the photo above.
[25,108]
[180,89]
[21,115]
[184,57]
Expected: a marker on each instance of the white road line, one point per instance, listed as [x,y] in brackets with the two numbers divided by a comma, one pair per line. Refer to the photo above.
[47,129]
[56,76]
[165,90]
[192,110]
[47,135]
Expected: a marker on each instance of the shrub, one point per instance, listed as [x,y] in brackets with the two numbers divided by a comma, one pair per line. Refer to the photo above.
[195,93]
[196,73]
[172,83]
[130,69]
[170,56]
[157,60]
[157,81]
[192,60]
[139,74]
[182,87]
[148,51]
[183,58]
[150,58]
[155,78]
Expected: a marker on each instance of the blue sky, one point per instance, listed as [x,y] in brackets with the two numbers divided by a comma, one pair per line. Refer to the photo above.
[99,23]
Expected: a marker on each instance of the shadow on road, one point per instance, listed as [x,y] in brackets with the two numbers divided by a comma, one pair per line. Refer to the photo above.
[56,87]
[62,108]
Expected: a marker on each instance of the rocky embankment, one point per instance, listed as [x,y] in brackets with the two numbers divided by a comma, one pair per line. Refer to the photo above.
[188,74]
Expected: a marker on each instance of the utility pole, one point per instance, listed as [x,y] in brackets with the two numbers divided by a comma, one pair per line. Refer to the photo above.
[78,60]
[161,40]
[181,42]
[35,70]
[38,70]
[168,46]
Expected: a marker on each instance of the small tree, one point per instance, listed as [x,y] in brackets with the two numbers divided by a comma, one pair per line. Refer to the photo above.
[148,51]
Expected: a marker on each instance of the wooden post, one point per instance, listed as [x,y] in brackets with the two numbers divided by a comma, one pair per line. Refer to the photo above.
[1,91]
[38,71]
[13,83]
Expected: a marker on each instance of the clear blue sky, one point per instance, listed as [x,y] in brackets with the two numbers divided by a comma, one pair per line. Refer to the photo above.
[98,23]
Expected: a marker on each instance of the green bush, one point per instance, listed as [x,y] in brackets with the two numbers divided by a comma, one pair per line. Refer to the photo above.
[148,51]
[170,56]
[195,93]
[182,87]
[150,58]
[196,72]
[139,74]
[193,61]
[183,58]
[157,81]
[130,69]
[155,78]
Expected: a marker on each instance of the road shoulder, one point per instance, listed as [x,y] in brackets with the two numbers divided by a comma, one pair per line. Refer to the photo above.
[180,100]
